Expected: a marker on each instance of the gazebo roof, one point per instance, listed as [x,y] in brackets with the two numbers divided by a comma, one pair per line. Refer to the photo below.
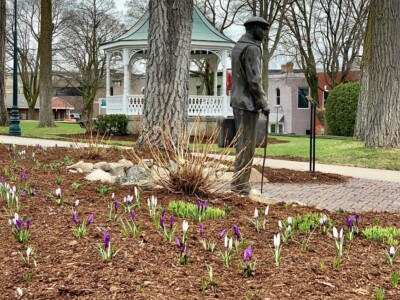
[204,35]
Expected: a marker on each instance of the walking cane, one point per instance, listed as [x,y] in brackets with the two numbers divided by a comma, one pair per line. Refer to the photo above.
[265,153]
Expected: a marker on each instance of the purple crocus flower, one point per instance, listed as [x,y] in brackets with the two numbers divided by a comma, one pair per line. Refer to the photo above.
[177,241]
[2,179]
[90,220]
[180,245]
[357,218]
[350,222]
[201,229]
[23,176]
[162,221]
[236,230]
[199,206]
[116,204]
[171,222]
[28,224]
[75,218]
[222,234]
[106,239]
[205,205]
[132,215]
[19,224]
[248,254]
[12,154]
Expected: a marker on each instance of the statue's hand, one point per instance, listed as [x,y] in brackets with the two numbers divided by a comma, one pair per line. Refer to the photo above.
[265,111]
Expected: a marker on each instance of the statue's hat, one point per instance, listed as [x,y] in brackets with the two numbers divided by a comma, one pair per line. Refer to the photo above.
[257,21]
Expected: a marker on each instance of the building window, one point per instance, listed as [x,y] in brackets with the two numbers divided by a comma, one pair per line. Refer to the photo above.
[278,96]
[219,90]
[326,94]
[302,101]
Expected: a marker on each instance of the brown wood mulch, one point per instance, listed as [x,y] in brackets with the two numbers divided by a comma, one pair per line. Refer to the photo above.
[146,266]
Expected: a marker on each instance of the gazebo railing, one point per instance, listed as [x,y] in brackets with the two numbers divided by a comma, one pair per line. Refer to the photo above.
[213,106]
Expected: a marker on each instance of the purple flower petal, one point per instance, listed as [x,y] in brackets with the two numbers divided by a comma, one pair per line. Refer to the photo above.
[90,220]
[201,229]
[28,224]
[178,242]
[248,254]
[116,204]
[236,230]
[132,215]
[357,217]
[75,218]
[19,224]
[106,239]
[222,234]
[171,221]
[162,221]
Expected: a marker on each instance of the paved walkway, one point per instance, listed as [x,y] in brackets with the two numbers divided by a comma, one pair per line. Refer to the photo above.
[368,190]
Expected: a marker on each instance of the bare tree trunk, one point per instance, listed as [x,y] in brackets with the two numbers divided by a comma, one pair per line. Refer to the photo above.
[167,86]
[382,122]
[359,128]
[3,111]
[46,118]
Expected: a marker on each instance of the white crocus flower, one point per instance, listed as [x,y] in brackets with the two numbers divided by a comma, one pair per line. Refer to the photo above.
[148,202]
[266,211]
[185,226]
[280,224]
[277,240]
[335,233]
[392,251]
[112,196]
[341,233]
[20,292]
[76,203]
[58,192]
[255,213]
[10,222]
[136,192]
[289,229]
[16,216]
[289,220]
[230,244]
[28,252]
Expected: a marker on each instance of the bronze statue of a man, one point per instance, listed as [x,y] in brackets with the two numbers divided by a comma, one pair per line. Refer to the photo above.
[248,98]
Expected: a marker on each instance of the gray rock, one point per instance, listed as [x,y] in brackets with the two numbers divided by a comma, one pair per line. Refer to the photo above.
[126,163]
[255,177]
[103,165]
[85,167]
[117,169]
[137,173]
[98,175]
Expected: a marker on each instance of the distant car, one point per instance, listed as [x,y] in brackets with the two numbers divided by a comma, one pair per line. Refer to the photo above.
[75,116]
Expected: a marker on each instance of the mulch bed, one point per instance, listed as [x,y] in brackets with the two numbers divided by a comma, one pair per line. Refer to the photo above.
[146,266]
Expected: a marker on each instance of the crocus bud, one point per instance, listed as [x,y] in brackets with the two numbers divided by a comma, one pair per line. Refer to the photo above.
[201,229]
[132,215]
[116,204]
[335,233]
[28,224]
[277,240]
[280,224]
[135,191]
[266,211]
[106,239]
[222,234]
[255,213]
[75,218]
[20,292]
[185,226]
[28,252]
[392,251]
[248,254]
[226,241]
[90,220]
[341,233]
[171,221]
[230,244]
[289,220]
[112,196]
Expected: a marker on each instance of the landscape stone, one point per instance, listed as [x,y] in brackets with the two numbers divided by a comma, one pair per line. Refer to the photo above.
[84,167]
[126,163]
[117,169]
[103,165]
[255,177]
[137,173]
[98,175]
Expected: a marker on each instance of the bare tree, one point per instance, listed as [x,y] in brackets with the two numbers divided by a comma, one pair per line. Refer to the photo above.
[91,23]
[167,84]
[273,11]
[378,116]
[3,111]
[46,118]
[341,25]
[325,33]
[136,8]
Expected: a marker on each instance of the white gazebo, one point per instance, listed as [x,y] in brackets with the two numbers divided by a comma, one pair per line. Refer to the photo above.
[207,42]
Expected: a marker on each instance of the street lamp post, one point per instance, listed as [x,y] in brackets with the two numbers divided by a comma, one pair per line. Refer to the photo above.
[15,130]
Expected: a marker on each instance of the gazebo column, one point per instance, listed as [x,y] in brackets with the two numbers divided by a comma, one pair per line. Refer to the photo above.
[108,83]
[215,77]
[224,62]
[125,58]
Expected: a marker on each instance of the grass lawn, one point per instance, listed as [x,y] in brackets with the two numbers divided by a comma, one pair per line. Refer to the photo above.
[31,129]
[340,151]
